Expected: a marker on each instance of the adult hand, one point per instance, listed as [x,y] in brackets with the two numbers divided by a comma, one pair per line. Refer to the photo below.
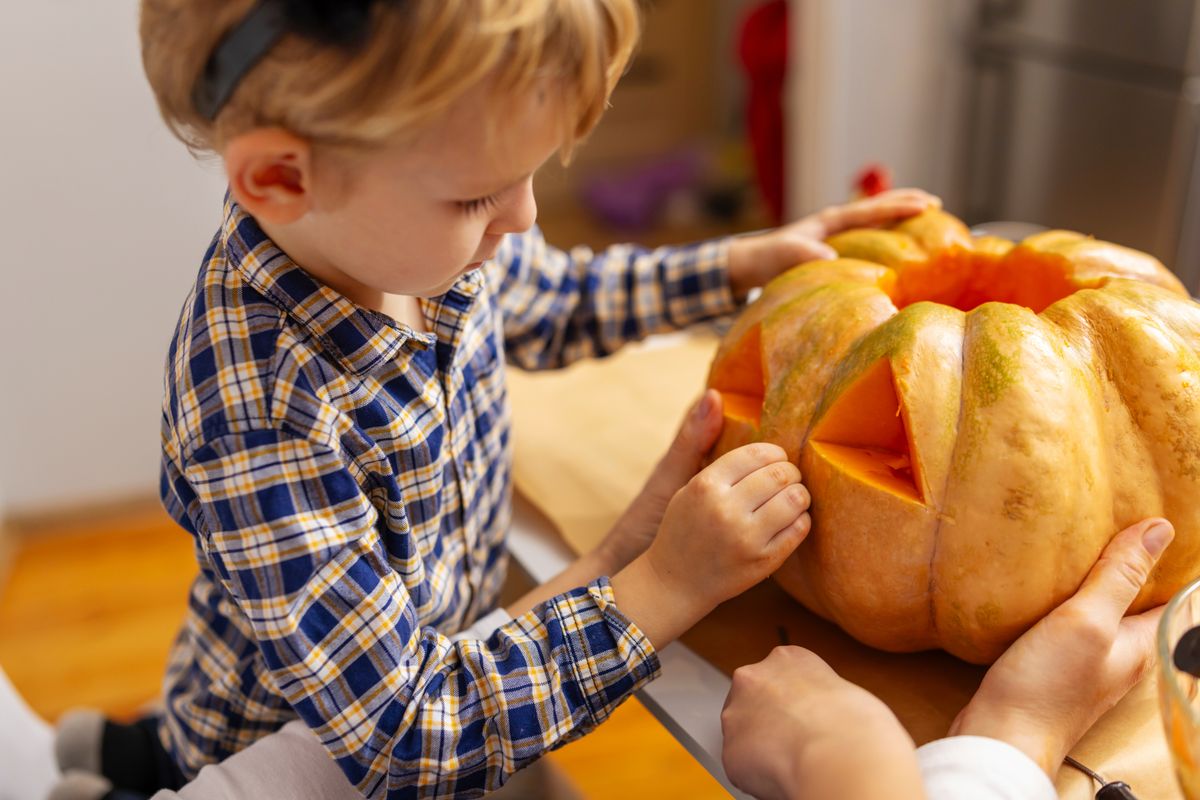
[1052,685]
[793,729]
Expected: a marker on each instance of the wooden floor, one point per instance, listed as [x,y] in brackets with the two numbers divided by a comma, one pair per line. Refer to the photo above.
[88,611]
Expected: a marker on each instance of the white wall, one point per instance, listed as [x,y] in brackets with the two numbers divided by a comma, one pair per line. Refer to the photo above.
[873,80]
[103,219]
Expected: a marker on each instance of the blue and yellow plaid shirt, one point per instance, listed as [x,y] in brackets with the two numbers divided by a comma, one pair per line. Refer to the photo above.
[347,483]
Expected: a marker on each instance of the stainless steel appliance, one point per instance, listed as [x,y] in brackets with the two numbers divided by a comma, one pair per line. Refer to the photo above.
[1085,114]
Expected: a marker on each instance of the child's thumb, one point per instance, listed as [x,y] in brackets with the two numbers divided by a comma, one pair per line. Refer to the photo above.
[805,250]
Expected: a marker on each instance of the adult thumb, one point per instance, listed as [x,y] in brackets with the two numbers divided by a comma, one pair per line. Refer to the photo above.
[705,421]
[696,436]
[1124,567]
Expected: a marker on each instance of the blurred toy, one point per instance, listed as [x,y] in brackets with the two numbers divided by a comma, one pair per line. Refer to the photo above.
[635,199]
[871,180]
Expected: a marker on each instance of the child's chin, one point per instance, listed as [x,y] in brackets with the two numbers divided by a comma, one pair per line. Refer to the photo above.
[474,265]
[448,284]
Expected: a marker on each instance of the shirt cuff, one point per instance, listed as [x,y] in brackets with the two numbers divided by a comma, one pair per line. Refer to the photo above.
[697,283]
[610,655]
[982,769]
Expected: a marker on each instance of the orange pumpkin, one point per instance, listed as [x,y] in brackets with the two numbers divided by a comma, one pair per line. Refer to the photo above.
[974,420]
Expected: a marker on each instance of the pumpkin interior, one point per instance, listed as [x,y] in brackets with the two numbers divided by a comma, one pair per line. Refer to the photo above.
[866,433]
[965,279]
[741,372]
[743,407]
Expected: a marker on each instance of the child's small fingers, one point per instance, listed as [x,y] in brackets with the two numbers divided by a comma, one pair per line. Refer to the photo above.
[742,461]
[893,208]
[784,543]
[765,484]
[919,197]
[782,509]
[882,208]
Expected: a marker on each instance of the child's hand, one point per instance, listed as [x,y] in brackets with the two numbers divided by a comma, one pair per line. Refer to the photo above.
[637,527]
[794,728]
[1048,689]
[635,530]
[754,260]
[727,529]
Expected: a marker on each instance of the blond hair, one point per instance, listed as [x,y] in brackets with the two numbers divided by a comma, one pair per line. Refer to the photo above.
[420,56]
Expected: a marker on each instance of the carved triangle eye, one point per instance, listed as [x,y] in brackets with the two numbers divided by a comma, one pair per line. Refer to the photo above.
[740,371]
[865,433]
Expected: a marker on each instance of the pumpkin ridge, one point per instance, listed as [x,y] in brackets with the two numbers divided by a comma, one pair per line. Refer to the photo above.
[940,513]
[1184,449]
[1011,553]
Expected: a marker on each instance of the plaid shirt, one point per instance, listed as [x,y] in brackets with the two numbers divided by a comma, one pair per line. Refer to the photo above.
[347,483]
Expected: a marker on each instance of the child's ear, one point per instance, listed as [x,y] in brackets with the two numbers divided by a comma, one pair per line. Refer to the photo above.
[270,174]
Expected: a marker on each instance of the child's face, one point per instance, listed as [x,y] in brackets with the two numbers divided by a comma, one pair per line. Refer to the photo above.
[412,219]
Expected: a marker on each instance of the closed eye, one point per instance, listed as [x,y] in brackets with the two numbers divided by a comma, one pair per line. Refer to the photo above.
[479,204]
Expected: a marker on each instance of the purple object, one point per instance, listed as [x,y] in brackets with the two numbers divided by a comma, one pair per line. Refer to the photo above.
[635,198]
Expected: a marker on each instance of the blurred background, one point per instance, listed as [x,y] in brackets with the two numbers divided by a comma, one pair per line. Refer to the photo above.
[737,114]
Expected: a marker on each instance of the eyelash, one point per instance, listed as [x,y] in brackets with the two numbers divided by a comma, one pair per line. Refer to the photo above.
[479,204]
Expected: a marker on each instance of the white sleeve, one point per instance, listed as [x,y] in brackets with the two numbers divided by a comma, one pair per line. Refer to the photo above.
[978,768]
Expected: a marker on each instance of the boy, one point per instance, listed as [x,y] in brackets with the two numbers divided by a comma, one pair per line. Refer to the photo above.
[335,430]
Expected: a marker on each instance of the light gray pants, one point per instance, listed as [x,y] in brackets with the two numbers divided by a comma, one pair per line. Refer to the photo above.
[27,767]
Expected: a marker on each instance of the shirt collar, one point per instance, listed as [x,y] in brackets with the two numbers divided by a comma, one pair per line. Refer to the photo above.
[361,338]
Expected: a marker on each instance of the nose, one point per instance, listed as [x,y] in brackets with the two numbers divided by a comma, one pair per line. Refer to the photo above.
[518,214]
